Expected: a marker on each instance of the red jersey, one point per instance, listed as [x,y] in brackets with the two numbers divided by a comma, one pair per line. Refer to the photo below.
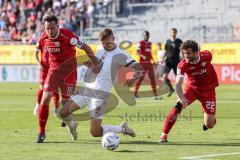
[61,49]
[201,75]
[145,48]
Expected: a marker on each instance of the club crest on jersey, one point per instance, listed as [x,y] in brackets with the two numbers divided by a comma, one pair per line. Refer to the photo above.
[203,64]
[57,44]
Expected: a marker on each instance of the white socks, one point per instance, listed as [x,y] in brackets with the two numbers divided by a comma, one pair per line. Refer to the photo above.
[109,128]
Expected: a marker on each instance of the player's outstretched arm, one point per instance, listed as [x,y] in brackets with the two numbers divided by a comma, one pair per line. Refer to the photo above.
[96,64]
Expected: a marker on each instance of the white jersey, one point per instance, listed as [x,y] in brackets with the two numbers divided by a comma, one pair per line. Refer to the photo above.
[112,61]
[161,54]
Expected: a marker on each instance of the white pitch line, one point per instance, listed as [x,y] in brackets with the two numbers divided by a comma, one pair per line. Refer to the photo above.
[211,155]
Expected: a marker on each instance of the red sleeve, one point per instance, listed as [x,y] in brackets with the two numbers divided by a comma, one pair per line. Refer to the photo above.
[71,37]
[207,55]
[39,45]
[180,68]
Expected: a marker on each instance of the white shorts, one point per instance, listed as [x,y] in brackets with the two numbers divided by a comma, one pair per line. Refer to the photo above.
[96,107]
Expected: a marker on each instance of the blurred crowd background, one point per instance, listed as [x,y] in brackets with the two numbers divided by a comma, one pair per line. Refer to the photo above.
[21,20]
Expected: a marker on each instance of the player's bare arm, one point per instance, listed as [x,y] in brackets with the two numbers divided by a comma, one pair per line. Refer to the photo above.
[179,90]
[95,63]
[37,51]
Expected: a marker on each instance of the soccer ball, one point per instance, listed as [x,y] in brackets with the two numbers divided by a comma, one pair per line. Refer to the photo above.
[110,141]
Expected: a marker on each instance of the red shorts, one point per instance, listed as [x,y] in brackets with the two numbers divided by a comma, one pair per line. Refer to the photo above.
[66,82]
[147,66]
[42,77]
[43,73]
[207,99]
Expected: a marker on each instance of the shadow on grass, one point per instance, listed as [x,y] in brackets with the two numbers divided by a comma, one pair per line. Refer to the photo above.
[152,143]
[61,142]
[130,151]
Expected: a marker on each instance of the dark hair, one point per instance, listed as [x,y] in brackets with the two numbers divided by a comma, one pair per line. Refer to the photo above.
[106,32]
[146,32]
[51,18]
[189,44]
[174,29]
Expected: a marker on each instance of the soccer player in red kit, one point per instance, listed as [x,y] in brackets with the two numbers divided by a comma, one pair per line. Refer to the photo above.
[60,44]
[201,83]
[43,66]
[145,54]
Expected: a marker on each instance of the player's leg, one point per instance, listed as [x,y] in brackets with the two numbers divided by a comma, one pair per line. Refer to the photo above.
[66,115]
[137,85]
[96,110]
[208,101]
[42,77]
[153,82]
[67,89]
[39,97]
[173,114]
[50,86]
[166,80]
[209,121]
[77,100]
[43,115]
[98,130]
[56,103]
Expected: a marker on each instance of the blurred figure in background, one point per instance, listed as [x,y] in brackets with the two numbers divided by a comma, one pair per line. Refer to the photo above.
[172,57]
[145,60]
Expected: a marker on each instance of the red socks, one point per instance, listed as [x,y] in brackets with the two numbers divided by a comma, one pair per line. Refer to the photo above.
[170,120]
[42,117]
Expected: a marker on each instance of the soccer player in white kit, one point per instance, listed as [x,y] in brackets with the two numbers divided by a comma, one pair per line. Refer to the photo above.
[112,59]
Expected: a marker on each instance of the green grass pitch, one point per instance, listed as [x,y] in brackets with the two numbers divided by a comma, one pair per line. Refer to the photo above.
[18,129]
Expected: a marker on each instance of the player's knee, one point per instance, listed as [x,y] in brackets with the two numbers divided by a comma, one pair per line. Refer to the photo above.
[210,125]
[46,100]
[96,132]
[178,106]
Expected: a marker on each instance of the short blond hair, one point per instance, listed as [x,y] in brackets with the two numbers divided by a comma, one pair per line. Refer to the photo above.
[106,32]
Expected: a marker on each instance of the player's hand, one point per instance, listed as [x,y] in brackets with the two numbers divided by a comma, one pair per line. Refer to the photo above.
[129,82]
[184,102]
[40,67]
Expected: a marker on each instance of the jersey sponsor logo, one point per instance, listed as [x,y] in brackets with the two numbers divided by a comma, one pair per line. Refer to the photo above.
[202,71]
[52,50]
[192,68]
